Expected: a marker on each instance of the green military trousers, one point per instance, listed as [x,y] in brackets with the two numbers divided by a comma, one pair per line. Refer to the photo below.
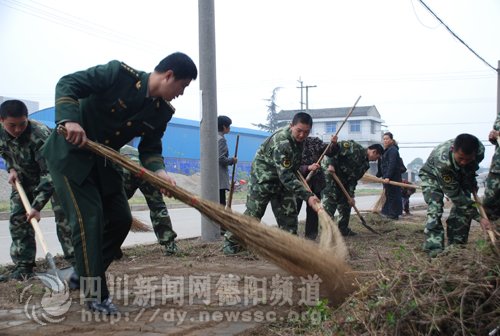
[99,225]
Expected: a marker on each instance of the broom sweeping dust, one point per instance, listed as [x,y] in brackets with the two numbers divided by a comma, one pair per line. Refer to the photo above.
[298,256]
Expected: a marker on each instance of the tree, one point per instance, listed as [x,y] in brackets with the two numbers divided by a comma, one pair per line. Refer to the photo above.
[272,115]
[415,164]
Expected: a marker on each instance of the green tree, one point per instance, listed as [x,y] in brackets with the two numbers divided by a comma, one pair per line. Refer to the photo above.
[272,114]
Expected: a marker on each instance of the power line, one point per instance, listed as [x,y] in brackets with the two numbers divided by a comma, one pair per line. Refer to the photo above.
[456,36]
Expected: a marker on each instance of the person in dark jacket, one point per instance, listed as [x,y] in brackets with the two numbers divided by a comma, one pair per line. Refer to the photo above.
[390,170]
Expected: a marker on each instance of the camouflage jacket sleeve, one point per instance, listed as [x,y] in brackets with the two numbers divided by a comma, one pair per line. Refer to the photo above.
[44,190]
[284,157]
[496,126]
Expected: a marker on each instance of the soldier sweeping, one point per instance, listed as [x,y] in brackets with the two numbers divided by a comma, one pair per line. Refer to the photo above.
[21,140]
[110,104]
[451,170]
[349,162]
[273,178]
[491,200]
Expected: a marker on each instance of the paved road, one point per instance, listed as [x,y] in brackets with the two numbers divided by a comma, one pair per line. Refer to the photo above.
[186,222]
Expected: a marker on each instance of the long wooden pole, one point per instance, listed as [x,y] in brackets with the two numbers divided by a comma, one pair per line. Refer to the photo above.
[375,179]
[231,188]
[311,173]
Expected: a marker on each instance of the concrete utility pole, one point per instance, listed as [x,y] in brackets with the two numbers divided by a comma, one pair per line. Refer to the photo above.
[301,87]
[208,128]
[307,96]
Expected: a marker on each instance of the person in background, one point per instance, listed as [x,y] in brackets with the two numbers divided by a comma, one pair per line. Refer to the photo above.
[21,140]
[390,170]
[349,162]
[491,201]
[224,127]
[109,104]
[313,148]
[158,212]
[273,178]
[405,195]
[450,171]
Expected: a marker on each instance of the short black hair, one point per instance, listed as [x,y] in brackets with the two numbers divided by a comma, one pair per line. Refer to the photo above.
[223,121]
[13,108]
[467,143]
[389,134]
[181,64]
[378,148]
[303,118]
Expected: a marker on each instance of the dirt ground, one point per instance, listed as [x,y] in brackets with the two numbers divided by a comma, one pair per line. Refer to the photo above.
[198,292]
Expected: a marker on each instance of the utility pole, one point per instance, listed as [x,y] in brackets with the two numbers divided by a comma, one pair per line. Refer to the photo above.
[302,87]
[208,126]
[307,96]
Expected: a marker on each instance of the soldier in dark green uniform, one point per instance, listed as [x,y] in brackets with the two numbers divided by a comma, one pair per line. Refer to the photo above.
[491,200]
[349,161]
[20,143]
[160,219]
[273,178]
[451,170]
[110,104]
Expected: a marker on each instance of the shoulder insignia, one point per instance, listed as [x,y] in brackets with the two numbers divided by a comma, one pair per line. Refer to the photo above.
[447,178]
[131,71]
[346,145]
[286,162]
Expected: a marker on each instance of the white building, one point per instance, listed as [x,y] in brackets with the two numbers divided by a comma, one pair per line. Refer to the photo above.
[363,126]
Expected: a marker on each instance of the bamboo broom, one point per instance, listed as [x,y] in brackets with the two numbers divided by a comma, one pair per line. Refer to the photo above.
[490,233]
[377,207]
[330,237]
[139,226]
[293,254]
[231,188]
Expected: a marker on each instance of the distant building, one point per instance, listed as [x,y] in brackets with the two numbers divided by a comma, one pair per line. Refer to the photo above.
[32,106]
[363,126]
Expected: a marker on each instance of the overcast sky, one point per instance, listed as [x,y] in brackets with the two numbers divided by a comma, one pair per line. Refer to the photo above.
[427,86]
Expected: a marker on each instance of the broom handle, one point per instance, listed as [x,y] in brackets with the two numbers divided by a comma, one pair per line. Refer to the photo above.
[484,215]
[312,172]
[349,198]
[231,188]
[34,222]
[306,185]
[399,184]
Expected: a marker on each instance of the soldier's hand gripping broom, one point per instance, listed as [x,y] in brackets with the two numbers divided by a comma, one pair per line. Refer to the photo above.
[312,172]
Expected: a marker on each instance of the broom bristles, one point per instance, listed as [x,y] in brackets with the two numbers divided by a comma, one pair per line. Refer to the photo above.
[377,207]
[295,255]
[139,226]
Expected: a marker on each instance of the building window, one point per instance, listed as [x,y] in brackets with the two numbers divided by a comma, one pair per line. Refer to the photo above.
[331,127]
[355,126]
[373,127]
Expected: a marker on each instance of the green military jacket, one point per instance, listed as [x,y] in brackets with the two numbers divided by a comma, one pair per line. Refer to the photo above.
[350,161]
[276,164]
[111,103]
[456,182]
[23,154]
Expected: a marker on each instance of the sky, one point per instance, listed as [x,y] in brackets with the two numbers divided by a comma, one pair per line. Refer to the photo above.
[427,86]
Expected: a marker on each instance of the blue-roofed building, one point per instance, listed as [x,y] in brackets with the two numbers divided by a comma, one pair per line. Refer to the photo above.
[181,144]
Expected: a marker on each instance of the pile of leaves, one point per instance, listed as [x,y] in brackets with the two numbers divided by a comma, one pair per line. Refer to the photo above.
[457,293]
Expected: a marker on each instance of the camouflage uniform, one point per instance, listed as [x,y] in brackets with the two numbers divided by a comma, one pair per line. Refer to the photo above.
[160,218]
[350,162]
[273,179]
[491,200]
[440,176]
[23,155]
